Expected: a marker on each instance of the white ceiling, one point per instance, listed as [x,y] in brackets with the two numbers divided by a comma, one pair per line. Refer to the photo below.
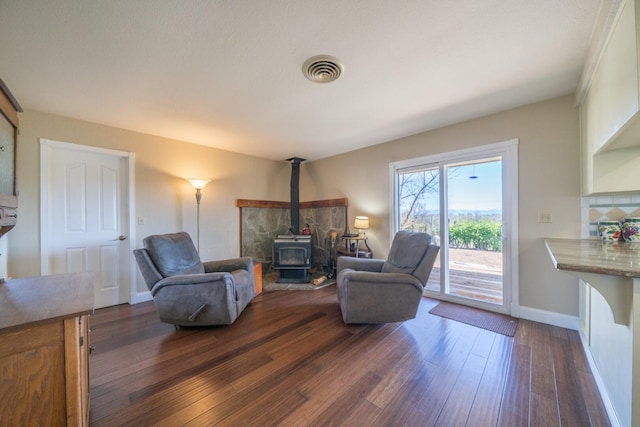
[227,74]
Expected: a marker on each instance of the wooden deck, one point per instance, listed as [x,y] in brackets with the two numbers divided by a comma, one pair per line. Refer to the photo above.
[470,284]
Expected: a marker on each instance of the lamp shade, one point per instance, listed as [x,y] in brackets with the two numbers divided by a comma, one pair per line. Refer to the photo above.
[198,184]
[362,222]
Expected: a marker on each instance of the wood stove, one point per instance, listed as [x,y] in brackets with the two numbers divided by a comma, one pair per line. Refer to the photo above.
[292,257]
[292,252]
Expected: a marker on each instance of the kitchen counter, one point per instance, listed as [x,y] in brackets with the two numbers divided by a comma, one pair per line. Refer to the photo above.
[32,300]
[609,267]
[44,350]
[596,257]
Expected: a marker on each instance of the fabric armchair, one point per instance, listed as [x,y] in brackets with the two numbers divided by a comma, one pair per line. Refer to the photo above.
[188,292]
[385,291]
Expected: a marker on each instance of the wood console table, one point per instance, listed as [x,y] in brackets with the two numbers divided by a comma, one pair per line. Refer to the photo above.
[44,350]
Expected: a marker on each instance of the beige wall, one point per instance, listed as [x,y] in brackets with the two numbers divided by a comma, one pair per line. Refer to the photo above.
[162,194]
[548,166]
[549,180]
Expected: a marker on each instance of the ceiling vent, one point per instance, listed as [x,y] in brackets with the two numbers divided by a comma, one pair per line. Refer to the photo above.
[322,69]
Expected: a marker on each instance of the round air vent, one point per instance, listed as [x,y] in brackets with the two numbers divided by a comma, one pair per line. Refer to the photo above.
[322,69]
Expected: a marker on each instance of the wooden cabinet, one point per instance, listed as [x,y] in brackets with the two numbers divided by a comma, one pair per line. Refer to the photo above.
[76,345]
[44,350]
[610,110]
[9,108]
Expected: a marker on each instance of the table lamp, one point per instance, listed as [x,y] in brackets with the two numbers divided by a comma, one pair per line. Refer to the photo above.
[361,223]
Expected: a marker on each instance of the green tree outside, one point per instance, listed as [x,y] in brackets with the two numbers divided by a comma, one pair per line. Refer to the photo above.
[483,235]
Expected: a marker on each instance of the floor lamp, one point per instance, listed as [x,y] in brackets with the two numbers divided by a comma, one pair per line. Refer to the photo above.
[198,184]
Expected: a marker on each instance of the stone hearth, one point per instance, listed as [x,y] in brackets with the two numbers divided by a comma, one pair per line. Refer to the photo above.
[270,283]
[262,221]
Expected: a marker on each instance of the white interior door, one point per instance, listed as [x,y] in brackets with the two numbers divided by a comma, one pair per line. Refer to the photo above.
[85,218]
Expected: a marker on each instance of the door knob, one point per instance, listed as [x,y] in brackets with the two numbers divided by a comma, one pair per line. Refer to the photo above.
[120,237]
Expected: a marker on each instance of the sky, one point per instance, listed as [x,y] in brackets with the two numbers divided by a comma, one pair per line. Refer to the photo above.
[471,187]
[481,193]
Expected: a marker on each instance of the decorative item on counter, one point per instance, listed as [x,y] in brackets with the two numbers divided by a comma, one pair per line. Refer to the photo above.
[631,229]
[609,231]
[306,230]
[611,250]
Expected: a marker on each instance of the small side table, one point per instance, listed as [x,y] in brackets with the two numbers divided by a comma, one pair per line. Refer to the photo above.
[352,247]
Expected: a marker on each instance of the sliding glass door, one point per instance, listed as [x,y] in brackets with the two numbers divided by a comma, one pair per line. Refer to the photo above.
[418,208]
[466,201]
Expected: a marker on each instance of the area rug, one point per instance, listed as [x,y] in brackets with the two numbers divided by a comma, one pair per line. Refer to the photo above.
[495,322]
[269,283]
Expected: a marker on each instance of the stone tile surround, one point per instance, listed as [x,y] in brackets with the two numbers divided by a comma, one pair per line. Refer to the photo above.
[262,221]
[607,208]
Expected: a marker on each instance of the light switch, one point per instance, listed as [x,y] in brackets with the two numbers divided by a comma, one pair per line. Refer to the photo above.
[544,217]
[142,220]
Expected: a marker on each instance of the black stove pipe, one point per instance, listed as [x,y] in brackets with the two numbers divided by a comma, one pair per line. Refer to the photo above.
[295,194]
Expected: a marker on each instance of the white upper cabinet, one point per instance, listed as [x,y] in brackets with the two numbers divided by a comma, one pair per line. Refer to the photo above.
[613,95]
[610,110]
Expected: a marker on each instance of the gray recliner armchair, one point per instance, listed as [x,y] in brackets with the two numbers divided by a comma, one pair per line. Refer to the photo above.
[385,291]
[188,292]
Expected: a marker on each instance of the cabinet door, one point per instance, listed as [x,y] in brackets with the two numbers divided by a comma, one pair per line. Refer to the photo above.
[76,332]
[32,383]
[587,148]
[9,109]
[7,156]
[614,89]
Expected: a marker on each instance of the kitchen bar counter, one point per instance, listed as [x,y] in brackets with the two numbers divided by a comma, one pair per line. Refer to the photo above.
[609,267]
[611,275]
[595,256]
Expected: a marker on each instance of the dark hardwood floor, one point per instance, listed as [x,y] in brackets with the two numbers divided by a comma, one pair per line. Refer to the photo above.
[289,360]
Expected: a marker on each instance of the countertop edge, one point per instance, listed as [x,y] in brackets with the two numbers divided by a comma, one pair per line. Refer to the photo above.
[592,257]
[31,301]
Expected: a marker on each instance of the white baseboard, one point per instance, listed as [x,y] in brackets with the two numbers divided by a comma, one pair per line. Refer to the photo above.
[3,257]
[138,297]
[606,400]
[549,317]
